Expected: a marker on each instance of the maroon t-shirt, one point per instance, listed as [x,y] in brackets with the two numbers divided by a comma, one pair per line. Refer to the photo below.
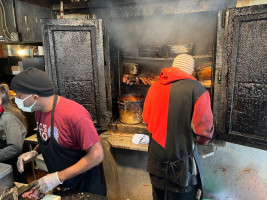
[73,126]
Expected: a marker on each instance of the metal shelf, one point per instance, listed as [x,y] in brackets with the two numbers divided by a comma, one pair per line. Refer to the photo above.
[163,59]
[143,85]
[135,85]
[147,58]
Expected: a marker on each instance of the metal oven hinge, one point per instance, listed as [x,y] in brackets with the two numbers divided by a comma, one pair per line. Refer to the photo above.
[220,76]
[223,19]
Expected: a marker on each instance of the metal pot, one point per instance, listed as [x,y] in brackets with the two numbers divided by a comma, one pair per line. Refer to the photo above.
[131,68]
[130,108]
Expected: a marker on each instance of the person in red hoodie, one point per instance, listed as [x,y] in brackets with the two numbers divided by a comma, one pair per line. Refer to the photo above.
[177,113]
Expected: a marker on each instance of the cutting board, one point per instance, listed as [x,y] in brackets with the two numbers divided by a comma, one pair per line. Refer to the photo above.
[24,187]
[51,197]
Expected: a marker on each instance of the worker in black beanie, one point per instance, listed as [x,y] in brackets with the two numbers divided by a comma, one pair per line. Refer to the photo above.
[33,81]
[67,138]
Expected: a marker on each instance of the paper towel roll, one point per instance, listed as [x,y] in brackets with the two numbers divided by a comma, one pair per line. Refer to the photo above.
[40,50]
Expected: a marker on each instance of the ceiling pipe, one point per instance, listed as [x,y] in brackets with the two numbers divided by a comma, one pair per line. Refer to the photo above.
[61,10]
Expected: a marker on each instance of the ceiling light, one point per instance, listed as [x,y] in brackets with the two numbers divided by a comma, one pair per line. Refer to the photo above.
[21,52]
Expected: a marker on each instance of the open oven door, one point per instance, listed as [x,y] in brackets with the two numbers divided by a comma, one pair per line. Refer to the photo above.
[74,59]
[240,89]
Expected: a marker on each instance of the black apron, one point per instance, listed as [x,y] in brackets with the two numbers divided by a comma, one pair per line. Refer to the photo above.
[172,173]
[18,177]
[58,158]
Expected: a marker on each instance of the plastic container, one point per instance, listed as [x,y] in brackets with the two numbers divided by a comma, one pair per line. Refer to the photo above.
[6,177]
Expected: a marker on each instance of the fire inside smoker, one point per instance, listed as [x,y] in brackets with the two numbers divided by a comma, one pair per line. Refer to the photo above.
[131,98]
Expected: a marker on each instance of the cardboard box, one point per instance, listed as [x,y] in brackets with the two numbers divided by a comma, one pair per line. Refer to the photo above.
[15,68]
[4,51]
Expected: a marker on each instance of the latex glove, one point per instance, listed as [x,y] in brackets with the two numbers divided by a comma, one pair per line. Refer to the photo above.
[48,182]
[25,158]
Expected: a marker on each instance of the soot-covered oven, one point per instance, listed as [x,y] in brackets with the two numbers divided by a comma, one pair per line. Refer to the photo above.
[96,66]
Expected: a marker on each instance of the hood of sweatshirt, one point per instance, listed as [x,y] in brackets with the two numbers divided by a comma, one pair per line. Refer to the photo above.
[171,74]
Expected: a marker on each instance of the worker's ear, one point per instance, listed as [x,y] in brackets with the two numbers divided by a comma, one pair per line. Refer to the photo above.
[35,97]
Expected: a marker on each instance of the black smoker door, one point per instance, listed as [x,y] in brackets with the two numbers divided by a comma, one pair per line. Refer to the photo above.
[240,98]
[74,60]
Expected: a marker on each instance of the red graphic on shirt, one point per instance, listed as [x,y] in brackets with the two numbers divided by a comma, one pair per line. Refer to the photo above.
[43,131]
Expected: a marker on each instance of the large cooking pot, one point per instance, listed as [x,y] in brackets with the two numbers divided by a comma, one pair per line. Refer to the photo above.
[130,108]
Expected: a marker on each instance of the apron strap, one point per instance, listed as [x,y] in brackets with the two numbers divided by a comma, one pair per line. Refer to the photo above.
[52,117]
[38,129]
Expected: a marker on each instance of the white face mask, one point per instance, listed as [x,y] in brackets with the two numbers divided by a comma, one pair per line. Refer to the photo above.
[20,104]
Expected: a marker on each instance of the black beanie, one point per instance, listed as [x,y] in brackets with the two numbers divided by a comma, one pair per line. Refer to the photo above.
[33,81]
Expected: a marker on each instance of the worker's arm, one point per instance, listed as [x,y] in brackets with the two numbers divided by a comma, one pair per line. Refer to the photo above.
[26,158]
[93,158]
[88,140]
[15,136]
[202,120]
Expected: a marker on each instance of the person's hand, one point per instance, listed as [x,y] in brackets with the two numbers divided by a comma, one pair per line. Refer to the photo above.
[48,182]
[25,158]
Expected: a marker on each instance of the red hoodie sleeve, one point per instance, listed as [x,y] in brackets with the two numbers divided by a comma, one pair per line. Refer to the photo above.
[202,121]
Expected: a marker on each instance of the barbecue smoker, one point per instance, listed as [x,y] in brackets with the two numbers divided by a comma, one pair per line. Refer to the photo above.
[126,56]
